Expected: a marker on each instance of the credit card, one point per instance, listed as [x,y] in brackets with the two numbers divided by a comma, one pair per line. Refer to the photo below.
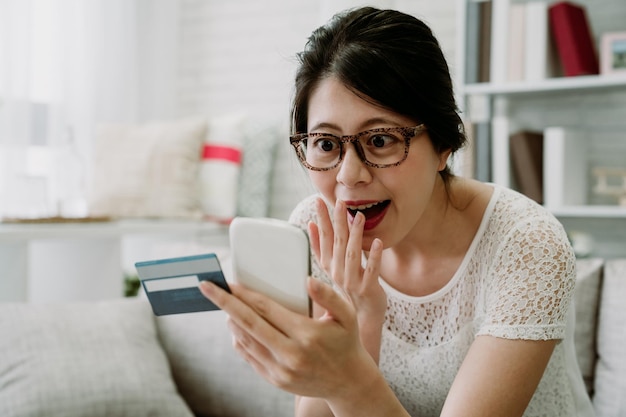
[172,284]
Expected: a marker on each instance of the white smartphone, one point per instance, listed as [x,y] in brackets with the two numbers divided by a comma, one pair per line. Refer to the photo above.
[272,257]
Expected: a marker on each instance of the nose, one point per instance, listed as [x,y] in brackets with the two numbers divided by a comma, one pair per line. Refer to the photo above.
[352,170]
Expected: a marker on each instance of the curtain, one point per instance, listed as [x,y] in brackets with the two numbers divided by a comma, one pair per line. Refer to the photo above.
[67,66]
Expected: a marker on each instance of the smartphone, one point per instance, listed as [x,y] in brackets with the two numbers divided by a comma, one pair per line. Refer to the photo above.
[272,257]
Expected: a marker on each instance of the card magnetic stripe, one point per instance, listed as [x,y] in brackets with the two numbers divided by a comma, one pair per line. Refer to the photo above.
[188,265]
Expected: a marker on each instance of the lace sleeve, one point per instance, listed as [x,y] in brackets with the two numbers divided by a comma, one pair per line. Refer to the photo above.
[531,283]
[301,216]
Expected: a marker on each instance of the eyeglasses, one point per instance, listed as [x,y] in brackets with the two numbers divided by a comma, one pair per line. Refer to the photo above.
[378,148]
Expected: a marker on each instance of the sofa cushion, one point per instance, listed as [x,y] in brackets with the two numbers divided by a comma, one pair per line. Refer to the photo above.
[610,380]
[84,359]
[586,298]
[148,170]
[255,179]
[214,380]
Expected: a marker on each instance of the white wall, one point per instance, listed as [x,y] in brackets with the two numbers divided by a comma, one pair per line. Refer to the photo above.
[239,56]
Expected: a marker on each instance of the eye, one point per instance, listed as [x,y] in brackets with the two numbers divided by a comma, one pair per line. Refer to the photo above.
[325,143]
[381,140]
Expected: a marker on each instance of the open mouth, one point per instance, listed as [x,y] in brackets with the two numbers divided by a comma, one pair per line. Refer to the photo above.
[373,212]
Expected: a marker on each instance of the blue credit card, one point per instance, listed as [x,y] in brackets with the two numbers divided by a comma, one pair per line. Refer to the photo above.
[172,284]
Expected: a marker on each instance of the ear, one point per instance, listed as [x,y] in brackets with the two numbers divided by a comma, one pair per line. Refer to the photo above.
[443,159]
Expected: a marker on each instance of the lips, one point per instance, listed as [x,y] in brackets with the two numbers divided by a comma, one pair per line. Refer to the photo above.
[374,212]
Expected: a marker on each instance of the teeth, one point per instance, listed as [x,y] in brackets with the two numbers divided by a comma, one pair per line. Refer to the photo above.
[362,207]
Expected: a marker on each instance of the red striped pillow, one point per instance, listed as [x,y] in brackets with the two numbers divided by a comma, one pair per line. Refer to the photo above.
[221,164]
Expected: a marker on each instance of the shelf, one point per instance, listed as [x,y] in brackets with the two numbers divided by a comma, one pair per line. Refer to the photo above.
[608,212]
[108,229]
[495,110]
[562,84]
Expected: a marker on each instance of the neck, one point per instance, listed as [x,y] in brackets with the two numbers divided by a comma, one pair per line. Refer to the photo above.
[447,225]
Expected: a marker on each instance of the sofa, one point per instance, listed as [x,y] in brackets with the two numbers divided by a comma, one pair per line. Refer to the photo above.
[115,358]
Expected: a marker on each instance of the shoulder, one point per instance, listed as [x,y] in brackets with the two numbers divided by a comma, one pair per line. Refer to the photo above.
[530,247]
[304,212]
[513,212]
[519,222]
[531,275]
[527,241]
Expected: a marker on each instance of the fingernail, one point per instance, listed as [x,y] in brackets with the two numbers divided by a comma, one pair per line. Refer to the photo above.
[207,286]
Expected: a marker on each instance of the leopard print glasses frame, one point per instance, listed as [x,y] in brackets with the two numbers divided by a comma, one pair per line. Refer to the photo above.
[381,144]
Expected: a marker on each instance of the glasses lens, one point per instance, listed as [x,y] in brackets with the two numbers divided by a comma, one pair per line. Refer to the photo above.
[383,147]
[321,150]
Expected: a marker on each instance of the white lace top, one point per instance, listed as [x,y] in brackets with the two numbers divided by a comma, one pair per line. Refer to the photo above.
[516,282]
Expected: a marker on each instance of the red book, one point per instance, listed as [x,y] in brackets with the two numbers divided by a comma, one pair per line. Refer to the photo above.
[572,35]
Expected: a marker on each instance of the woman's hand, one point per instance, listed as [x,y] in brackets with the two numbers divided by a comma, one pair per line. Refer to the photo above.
[309,357]
[338,250]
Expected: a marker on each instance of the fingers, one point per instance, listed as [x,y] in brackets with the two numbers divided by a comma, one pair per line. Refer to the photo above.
[342,233]
[324,234]
[272,345]
[250,349]
[314,238]
[337,306]
[254,339]
[338,247]
[261,317]
[352,262]
[372,268]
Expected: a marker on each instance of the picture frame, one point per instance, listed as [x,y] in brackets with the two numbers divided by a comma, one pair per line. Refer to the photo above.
[613,53]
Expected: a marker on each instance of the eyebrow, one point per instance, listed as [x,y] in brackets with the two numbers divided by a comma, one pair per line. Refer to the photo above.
[368,124]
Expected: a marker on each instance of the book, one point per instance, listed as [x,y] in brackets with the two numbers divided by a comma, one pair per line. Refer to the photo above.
[526,150]
[472,42]
[517,49]
[537,42]
[499,40]
[573,38]
[501,172]
[484,46]
[565,176]
[482,151]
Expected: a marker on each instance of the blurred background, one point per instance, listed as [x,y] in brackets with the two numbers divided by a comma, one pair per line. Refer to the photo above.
[67,66]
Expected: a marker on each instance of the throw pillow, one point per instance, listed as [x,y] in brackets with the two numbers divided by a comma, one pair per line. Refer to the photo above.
[586,297]
[219,171]
[255,179]
[148,170]
[99,359]
[609,397]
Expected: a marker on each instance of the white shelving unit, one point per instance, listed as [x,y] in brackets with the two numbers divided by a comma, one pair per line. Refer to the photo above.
[600,212]
[591,83]
[592,101]
[87,261]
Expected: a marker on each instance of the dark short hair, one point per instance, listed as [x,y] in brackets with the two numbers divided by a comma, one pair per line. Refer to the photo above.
[389,58]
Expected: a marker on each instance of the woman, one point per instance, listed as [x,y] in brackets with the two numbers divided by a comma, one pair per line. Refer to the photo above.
[451,297]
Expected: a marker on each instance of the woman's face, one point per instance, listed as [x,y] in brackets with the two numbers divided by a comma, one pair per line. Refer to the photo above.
[392,199]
